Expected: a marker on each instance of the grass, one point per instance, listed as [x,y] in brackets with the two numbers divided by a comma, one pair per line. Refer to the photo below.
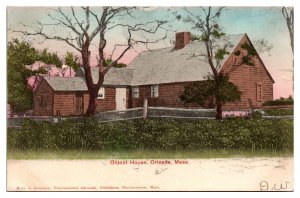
[89,155]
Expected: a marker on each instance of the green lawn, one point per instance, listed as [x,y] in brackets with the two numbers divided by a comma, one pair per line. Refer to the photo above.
[79,154]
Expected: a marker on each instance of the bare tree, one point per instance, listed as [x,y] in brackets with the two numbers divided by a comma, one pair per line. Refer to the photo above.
[81,35]
[288,14]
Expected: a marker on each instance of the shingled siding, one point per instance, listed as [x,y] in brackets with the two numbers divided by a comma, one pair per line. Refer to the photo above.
[106,104]
[64,103]
[109,102]
[247,78]
[169,96]
[43,100]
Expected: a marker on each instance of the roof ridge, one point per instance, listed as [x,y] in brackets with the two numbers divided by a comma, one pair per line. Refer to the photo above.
[61,76]
[114,68]
[145,51]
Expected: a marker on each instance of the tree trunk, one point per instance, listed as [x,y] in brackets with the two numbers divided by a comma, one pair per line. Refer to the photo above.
[219,110]
[92,105]
[93,93]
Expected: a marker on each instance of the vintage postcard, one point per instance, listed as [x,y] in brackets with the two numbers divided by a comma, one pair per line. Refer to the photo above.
[110,98]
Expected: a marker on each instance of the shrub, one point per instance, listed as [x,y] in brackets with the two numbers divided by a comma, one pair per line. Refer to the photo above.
[279,112]
[288,101]
[155,135]
[256,115]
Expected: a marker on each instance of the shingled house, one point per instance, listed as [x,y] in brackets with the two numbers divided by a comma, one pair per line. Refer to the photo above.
[159,76]
[69,96]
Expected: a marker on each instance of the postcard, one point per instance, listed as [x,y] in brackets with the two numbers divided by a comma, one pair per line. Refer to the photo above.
[110,98]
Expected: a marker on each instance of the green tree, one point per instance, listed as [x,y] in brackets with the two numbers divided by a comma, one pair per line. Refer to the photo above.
[72,61]
[217,85]
[49,58]
[118,65]
[201,92]
[19,54]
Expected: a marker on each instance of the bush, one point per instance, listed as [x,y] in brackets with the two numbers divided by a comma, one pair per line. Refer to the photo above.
[155,135]
[279,112]
[278,102]
[256,115]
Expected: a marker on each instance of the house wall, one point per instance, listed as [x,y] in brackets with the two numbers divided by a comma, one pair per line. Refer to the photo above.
[247,77]
[169,94]
[64,103]
[43,100]
[109,102]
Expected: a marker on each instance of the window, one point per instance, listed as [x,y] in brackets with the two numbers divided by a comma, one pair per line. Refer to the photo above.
[135,92]
[101,93]
[258,92]
[154,91]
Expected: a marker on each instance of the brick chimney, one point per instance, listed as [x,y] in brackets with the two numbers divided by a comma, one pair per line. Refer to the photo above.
[182,39]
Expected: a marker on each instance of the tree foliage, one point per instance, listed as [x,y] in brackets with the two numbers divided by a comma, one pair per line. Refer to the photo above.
[49,58]
[201,91]
[72,61]
[118,65]
[217,85]
[19,54]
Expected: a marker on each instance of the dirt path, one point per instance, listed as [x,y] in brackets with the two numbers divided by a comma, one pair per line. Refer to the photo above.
[231,174]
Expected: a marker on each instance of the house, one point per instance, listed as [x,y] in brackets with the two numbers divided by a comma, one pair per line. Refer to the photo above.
[160,76]
[69,96]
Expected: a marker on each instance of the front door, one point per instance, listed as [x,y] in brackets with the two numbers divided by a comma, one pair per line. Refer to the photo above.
[78,104]
[120,99]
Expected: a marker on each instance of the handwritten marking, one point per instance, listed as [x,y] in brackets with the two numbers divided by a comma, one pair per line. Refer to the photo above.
[265,186]
[160,171]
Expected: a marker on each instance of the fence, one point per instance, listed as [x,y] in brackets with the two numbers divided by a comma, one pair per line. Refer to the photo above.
[145,112]
[134,113]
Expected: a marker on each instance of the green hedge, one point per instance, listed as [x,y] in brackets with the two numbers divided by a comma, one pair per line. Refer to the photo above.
[279,112]
[279,102]
[154,134]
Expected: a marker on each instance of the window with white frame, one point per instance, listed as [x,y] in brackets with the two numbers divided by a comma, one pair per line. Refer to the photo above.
[135,92]
[101,93]
[154,91]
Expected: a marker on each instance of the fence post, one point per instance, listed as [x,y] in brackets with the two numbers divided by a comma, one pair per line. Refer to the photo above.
[145,108]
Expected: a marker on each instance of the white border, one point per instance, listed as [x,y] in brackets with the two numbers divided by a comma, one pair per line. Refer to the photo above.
[4,3]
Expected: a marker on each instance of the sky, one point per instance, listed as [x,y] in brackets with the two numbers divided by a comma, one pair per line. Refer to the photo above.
[258,22]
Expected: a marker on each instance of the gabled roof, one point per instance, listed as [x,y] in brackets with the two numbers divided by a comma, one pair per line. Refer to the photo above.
[154,67]
[66,84]
[168,65]
[261,60]
[114,76]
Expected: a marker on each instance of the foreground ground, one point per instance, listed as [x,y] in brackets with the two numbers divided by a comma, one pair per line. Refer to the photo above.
[215,174]
[86,155]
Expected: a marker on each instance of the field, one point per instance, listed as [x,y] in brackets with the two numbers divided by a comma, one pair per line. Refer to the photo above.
[151,138]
